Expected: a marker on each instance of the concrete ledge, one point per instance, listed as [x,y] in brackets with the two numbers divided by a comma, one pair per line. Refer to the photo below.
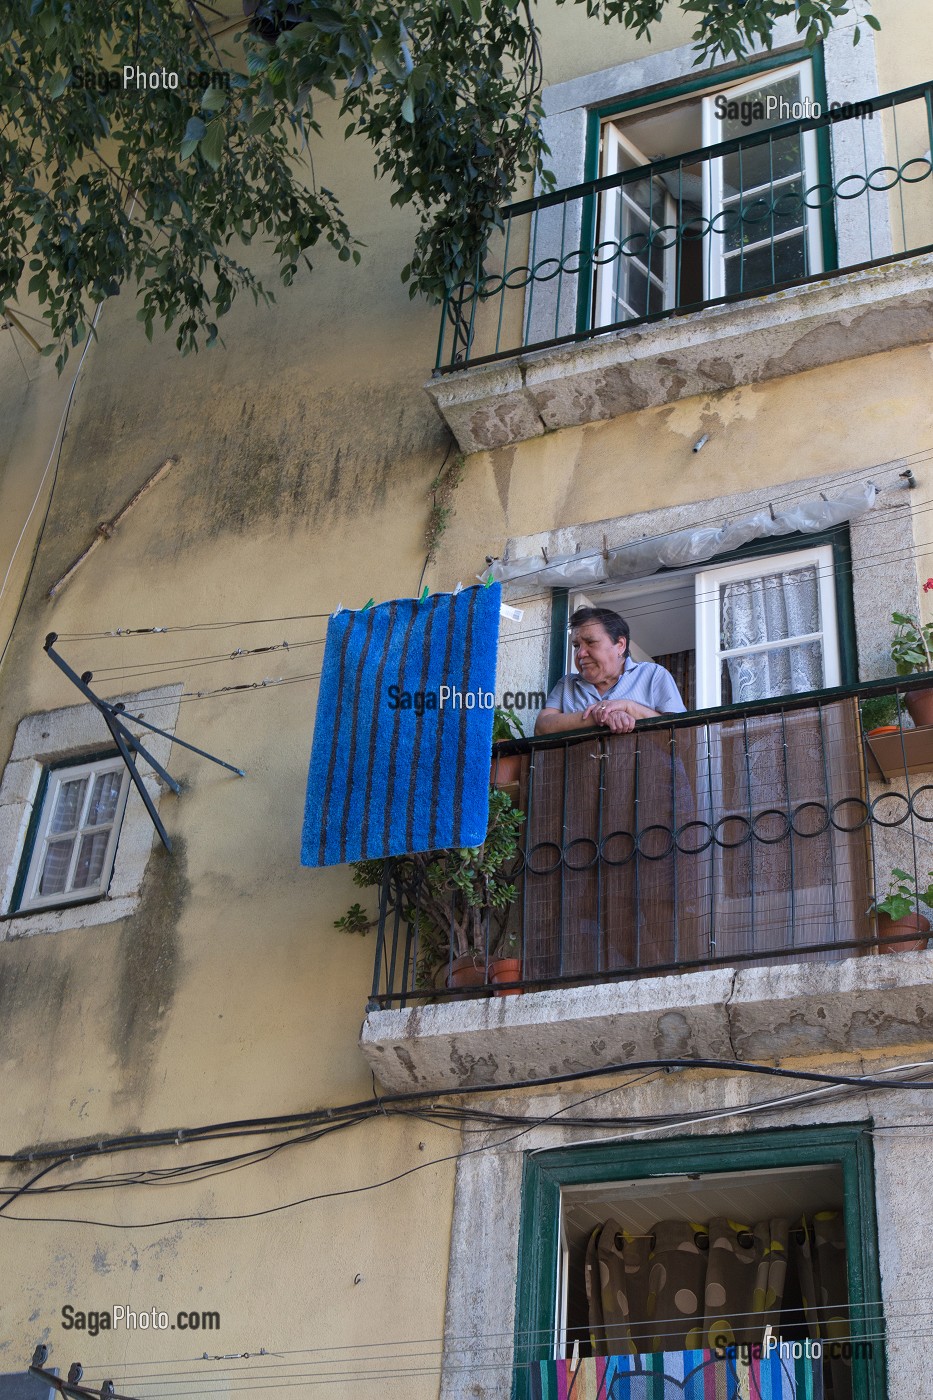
[758,1014]
[843,318]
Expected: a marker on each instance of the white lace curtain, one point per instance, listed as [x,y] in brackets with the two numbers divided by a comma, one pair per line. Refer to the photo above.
[774,608]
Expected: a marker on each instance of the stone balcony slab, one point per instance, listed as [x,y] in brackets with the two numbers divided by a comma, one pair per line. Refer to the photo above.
[761,1014]
[839,318]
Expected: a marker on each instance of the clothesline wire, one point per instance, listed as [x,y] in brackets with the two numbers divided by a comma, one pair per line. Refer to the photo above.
[273,1365]
[456,1342]
[154,668]
[796,491]
[871,563]
[739,512]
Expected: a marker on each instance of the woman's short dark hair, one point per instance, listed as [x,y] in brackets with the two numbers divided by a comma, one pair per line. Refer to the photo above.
[615,625]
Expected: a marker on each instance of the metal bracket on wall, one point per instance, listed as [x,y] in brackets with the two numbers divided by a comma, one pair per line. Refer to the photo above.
[127,742]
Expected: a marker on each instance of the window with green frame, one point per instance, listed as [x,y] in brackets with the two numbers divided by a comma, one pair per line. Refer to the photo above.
[798,586]
[681,1177]
[710,228]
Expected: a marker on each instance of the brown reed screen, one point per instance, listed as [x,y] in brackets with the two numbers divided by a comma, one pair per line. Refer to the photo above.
[667,846]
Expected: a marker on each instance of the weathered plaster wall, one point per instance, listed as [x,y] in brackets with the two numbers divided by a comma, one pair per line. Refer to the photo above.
[305,450]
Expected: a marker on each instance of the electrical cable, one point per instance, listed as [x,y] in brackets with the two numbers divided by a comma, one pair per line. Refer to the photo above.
[797,491]
[151,671]
[649,1068]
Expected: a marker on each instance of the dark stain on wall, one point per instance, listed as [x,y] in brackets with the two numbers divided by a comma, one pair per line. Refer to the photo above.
[147,968]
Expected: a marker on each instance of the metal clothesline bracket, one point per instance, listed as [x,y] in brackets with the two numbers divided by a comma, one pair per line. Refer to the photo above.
[128,745]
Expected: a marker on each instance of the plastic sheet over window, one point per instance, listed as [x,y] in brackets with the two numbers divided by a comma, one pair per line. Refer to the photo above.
[679,550]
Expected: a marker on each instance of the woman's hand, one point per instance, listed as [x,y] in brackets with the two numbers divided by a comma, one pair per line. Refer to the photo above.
[615,715]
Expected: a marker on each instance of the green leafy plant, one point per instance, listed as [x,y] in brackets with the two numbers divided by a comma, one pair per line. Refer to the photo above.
[912,647]
[163,191]
[877,711]
[903,894]
[451,895]
[442,490]
[506,725]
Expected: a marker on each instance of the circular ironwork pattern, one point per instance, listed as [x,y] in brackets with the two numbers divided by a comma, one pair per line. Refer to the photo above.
[658,855]
[850,802]
[581,841]
[768,827]
[763,816]
[890,797]
[807,807]
[545,846]
[731,845]
[616,836]
[727,222]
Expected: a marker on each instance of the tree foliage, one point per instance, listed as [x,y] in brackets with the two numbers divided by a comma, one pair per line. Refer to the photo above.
[165,190]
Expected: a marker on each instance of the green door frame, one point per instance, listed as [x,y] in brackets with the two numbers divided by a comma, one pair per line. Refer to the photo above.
[688,88]
[847,1146]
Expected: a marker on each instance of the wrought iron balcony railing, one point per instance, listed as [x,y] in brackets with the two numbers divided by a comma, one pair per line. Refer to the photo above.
[758,835]
[780,207]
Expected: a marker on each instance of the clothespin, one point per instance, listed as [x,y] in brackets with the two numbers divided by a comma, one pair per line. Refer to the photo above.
[605,548]
[489,579]
[424,594]
[823,496]
[458,589]
[575,1355]
[368,605]
[337,609]
[544,552]
[771,508]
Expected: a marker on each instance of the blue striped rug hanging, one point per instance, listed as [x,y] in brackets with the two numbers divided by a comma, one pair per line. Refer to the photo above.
[385,779]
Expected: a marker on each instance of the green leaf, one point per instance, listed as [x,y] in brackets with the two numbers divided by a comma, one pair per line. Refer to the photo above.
[475,8]
[872,21]
[328,20]
[57,85]
[408,108]
[212,145]
[195,129]
[214,99]
[262,122]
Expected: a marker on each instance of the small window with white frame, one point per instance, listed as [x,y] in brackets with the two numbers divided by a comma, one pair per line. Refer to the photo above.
[70,856]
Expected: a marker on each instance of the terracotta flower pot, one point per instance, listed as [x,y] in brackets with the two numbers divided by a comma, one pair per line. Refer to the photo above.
[505,770]
[920,705]
[506,970]
[467,972]
[910,923]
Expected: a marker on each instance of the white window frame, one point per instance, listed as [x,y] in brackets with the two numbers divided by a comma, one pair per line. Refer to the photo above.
[30,897]
[708,585]
[73,735]
[714,268]
[610,275]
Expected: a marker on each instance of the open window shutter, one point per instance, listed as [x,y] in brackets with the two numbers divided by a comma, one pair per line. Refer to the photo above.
[763,230]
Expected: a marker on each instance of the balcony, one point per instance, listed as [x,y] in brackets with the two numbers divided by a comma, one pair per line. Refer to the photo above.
[704,885]
[696,272]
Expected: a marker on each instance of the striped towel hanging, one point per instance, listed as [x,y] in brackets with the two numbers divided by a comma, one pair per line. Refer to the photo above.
[403,732]
[680,1375]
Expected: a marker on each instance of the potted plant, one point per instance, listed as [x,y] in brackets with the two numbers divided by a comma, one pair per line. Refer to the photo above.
[912,651]
[459,899]
[897,913]
[506,769]
[879,714]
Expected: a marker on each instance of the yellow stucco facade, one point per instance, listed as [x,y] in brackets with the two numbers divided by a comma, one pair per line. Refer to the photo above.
[305,450]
